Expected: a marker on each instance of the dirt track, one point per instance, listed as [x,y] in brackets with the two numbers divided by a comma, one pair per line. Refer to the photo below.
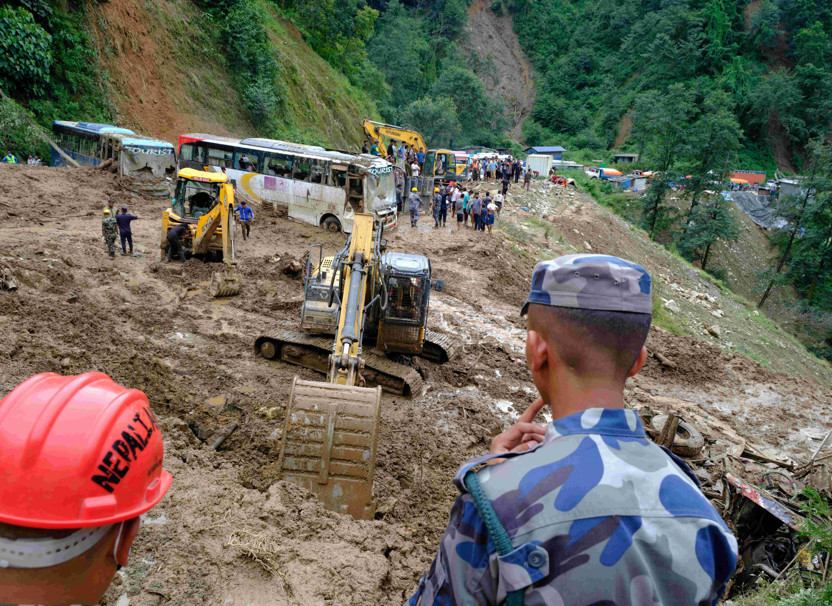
[228,532]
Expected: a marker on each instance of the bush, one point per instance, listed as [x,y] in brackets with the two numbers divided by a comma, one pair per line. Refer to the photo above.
[17,134]
[25,56]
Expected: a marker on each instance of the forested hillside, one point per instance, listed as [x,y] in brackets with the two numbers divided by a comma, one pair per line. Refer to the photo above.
[596,58]
[292,69]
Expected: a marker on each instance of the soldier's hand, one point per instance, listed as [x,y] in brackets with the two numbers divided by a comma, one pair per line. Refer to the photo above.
[522,435]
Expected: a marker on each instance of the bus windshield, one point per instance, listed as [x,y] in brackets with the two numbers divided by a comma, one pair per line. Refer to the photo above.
[381,192]
[194,199]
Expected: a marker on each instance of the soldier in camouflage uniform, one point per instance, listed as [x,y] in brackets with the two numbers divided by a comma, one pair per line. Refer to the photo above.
[109,229]
[587,510]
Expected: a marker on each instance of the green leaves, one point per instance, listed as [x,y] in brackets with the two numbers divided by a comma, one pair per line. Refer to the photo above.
[436,119]
[25,54]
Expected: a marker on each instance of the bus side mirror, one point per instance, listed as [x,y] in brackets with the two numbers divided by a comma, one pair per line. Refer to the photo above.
[437,285]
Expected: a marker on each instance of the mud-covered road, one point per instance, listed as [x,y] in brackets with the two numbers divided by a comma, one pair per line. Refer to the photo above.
[229,532]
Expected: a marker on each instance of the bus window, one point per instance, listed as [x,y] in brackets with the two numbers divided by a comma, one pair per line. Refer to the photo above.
[301,169]
[193,152]
[338,175]
[318,171]
[277,165]
[222,157]
[247,160]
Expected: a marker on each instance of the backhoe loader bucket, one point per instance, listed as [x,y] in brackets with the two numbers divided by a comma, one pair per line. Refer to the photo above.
[226,283]
[329,444]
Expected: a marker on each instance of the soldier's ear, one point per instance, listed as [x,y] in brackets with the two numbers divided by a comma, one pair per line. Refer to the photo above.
[537,351]
[637,365]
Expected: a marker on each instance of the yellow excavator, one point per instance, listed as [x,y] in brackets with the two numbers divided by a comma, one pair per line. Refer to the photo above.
[204,202]
[363,294]
[440,164]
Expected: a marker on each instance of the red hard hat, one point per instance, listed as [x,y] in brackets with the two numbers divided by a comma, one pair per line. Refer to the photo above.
[77,452]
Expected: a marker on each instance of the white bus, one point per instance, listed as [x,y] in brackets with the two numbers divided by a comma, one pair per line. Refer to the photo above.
[309,183]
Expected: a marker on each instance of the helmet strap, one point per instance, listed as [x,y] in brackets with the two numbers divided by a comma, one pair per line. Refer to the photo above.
[119,532]
[47,552]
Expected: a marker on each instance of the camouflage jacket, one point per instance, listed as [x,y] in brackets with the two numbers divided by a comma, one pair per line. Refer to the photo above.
[110,227]
[596,514]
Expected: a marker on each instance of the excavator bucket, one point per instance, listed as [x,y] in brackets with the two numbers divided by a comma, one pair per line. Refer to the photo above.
[329,444]
[226,283]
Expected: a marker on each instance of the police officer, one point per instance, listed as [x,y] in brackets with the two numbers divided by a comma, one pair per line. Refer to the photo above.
[109,229]
[586,510]
[175,248]
[413,203]
[82,461]
[436,206]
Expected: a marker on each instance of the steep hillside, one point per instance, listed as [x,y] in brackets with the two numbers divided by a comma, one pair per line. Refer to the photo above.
[506,71]
[167,75]
[164,68]
[596,59]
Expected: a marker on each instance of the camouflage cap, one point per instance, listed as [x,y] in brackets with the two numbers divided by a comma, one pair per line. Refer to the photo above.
[599,282]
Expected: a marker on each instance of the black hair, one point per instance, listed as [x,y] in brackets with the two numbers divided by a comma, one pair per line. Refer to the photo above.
[584,338]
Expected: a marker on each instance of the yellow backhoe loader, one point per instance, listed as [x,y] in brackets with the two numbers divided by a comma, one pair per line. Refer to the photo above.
[205,203]
[362,294]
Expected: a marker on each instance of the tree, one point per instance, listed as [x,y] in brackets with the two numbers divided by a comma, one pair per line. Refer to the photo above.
[436,119]
[776,100]
[710,222]
[662,122]
[792,208]
[399,48]
[25,55]
[711,147]
[474,110]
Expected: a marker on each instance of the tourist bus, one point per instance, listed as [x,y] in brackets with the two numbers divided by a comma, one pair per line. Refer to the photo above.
[90,144]
[306,182]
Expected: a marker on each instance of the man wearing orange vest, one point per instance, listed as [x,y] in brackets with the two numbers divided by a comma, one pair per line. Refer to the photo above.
[82,460]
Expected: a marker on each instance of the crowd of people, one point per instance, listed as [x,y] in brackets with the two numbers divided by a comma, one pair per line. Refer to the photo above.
[467,204]
[411,158]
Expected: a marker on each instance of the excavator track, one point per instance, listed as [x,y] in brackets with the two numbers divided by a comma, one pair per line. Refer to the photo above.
[312,351]
[438,348]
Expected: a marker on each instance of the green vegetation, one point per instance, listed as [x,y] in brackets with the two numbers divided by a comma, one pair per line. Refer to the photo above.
[805,247]
[414,46]
[50,64]
[25,51]
[598,58]
[665,319]
[17,134]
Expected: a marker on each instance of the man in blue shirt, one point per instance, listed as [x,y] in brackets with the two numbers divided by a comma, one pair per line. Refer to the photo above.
[420,157]
[246,217]
[123,220]
[586,510]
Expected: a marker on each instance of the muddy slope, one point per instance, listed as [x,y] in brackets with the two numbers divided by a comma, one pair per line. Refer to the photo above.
[505,70]
[229,532]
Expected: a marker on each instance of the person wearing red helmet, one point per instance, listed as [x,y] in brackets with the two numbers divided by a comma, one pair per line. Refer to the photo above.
[82,460]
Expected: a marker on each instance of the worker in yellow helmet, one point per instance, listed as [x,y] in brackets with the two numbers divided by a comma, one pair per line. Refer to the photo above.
[435,206]
[413,202]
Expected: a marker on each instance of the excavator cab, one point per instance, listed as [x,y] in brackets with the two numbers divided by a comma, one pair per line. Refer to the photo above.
[193,199]
[319,315]
[406,279]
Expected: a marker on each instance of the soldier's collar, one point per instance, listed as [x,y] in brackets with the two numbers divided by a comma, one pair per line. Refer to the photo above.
[620,422]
